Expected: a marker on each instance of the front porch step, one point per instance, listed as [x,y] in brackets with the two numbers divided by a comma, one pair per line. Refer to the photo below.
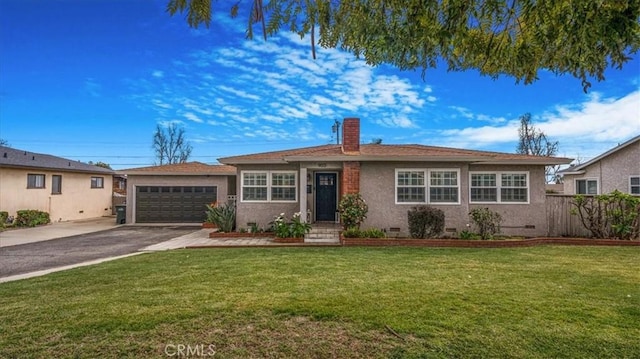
[323,235]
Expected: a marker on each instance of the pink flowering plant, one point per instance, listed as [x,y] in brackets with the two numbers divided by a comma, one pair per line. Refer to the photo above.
[353,210]
[296,228]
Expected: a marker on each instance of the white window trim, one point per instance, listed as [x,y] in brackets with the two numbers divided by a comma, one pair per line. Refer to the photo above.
[499,186]
[427,186]
[630,177]
[575,185]
[428,180]
[269,186]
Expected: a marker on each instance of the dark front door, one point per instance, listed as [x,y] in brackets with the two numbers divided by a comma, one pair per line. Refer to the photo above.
[326,196]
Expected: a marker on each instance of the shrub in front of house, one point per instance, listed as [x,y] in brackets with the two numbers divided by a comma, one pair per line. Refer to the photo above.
[224,216]
[425,222]
[4,219]
[486,221]
[31,218]
[294,229]
[353,210]
[355,232]
[612,215]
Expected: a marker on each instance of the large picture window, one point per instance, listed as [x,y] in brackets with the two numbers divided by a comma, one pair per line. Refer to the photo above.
[35,181]
[269,186]
[499,187]
[442,187]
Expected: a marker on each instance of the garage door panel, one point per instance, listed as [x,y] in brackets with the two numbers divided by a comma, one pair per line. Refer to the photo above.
[173,204]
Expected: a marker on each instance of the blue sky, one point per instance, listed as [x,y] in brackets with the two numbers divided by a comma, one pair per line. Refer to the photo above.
[89,80]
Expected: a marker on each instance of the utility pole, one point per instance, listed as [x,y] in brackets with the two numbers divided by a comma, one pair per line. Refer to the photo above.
[336,129]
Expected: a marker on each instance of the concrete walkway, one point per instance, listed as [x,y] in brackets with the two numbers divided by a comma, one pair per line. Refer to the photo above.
[55,230]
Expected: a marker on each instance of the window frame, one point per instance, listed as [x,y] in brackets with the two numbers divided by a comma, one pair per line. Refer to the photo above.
[631,186]
[269,186]
[35,181]
[457,186]
[56,189]
[586,179]
[499,186]
[426,186]
[95,184]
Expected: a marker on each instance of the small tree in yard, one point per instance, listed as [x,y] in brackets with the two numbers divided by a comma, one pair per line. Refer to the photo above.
[425,222]
[170,145]
[486,221]
[353,210]
[613,215]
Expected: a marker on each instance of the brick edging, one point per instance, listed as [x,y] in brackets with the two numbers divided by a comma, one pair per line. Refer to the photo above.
[462,243]
[234,235]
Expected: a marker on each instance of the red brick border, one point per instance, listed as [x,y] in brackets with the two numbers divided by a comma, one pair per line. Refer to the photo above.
[461,243]
[238,235]
[288,240]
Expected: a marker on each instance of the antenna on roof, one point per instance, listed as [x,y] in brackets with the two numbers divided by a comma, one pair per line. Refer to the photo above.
[336,129]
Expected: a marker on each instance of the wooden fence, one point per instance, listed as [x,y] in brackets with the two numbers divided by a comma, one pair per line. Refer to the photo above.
[560,220]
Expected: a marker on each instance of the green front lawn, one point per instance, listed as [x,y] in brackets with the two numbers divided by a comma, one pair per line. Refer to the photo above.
[541,302]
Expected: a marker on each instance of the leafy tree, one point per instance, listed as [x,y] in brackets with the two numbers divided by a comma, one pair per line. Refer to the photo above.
[496,37]
[170,145]
[101,164]
[534,142]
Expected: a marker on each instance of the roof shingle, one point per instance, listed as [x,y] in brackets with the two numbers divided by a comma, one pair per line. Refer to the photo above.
[11,157]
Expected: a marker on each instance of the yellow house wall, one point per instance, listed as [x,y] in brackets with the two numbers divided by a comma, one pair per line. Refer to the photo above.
[77,200]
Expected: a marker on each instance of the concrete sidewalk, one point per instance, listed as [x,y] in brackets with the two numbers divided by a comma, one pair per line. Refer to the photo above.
[55,230]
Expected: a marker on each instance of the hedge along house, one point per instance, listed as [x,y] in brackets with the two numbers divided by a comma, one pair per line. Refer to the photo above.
[392,179]
[176,193]
[66,189]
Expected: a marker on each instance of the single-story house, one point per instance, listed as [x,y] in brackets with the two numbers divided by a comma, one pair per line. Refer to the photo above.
[66,189]
[176,193]
[392,179]
[616,169]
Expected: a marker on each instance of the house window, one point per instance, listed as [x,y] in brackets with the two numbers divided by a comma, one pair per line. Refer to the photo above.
[514,187]
[97,182]
[276,186]
[587,186]
[410,186]
[634,184]
[443,186]
[56,184]
[35,181]
[484,187]
[499,187]
[283,186]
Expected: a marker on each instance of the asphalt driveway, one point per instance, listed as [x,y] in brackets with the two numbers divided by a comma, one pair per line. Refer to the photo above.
[60,252]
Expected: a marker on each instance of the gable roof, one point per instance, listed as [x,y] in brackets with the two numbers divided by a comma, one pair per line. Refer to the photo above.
[580,169]
[181,169]
[379,152]
[15,158]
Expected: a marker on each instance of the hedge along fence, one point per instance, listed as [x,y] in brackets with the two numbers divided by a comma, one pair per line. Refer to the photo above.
[461,243]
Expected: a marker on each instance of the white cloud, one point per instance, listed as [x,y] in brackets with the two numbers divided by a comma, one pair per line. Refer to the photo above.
[157,74]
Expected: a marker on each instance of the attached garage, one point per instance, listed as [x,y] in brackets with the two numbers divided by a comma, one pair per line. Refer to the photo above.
[176,193]
[173,204]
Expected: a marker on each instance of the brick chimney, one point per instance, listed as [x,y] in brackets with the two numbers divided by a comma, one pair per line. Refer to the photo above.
[351,135]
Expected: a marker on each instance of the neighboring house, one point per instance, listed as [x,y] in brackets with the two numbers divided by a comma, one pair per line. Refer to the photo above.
[616,169]
[66,189]
[392,179]
[176,193]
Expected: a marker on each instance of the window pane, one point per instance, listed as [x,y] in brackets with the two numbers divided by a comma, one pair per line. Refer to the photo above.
[444,178]
[97,182]
[443,194]
[635,181]
[484,194]
[410,178]
[283,179]
[254,194]
[411,194]
[56,184]
[514,180]
[283,194]
[592,187]
[254,179]
[513,195]
[35,181]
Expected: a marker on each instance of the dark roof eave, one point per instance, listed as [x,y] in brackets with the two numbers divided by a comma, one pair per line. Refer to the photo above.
[59,169]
